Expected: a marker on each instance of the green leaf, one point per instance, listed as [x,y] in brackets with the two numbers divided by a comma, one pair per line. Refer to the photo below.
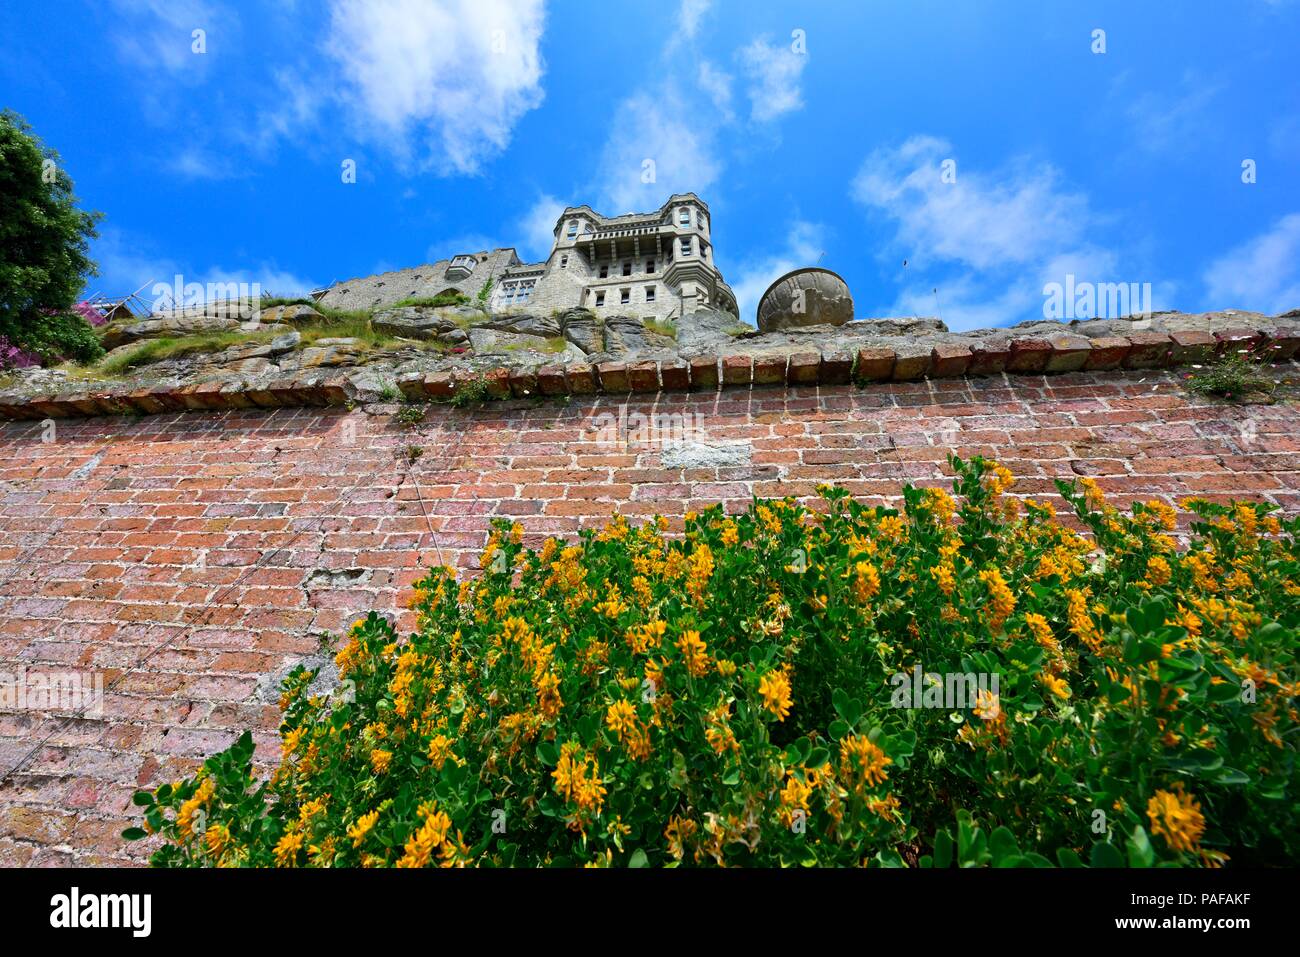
[638,859]
[1066,857]
[134,834]
[1140,852]
[1002,844]
[1105,854]
[840,699]
[943,849]
[142,799]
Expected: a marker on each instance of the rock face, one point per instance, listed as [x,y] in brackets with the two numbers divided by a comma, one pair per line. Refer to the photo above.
[805,297]
[174,327]
[444,324]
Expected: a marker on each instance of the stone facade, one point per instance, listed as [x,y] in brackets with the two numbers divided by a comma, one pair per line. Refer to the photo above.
[658,266]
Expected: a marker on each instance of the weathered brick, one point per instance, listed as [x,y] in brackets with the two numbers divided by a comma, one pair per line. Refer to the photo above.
[675,375]
[803,368]
[1149,350]
[989,357]
[1192,346]
[439,385]
[874,365]
[950,361]
[551,380]
[1283,342]
[614,377]
[1237,340]
[497,383]
[582,380]
[523,383]
[911,361]
[770,369]
[643,376]
[1029,355]
[1069,353]
[1108,352]
[704,372]
[736,370]
[836,368]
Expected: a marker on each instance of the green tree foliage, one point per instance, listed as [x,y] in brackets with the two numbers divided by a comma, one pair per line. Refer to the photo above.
[44,248]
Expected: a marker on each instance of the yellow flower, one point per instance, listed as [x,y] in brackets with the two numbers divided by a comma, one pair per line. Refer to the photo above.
[1057,686]
[439,750]
[694,654]
[1158,571]
[620,716]
[794,797]
[1001,602]
[775,689]
[218,840]
[866,581]
[862,762]
[421,845]
[577,778]
[287,848]
[1177,818]
[362,827]
[943,575]
[380,760]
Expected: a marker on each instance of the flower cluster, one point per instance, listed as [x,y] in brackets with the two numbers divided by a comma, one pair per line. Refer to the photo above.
[727,697]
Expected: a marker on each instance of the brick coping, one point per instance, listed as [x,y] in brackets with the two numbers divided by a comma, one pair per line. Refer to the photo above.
[1026,355]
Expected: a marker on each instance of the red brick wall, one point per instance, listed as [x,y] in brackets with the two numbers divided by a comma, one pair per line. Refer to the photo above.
[189,558]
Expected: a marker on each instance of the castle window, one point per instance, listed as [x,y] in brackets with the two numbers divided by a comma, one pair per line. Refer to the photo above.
[627,269]
[600,299]
[625,296]
[517,292]
[649,293]
[604,270]
[684,216]
[564,262]
[649,265]
[686,246]
[573,229]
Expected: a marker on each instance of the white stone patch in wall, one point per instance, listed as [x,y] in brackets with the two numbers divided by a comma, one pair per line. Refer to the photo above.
[701,455]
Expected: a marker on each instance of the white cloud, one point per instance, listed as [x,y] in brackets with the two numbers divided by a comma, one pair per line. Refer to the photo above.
[689,14]
[1163,122]
[537,228]
[773,71]
[654,150]
[717,84]
[1261,274]
[449,79]
[803,247]
[988,241]
[194,162]
[158,34]
[1019,216]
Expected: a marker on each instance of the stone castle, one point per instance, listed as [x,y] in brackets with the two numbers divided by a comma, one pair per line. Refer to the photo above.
[656,265]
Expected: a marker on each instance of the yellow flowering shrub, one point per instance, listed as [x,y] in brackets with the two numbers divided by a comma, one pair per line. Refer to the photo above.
[758,692]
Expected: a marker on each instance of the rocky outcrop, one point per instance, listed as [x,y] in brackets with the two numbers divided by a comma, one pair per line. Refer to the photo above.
[121,334]
[445,324]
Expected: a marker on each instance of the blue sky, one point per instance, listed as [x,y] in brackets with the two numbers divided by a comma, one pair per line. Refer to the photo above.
[817,132]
